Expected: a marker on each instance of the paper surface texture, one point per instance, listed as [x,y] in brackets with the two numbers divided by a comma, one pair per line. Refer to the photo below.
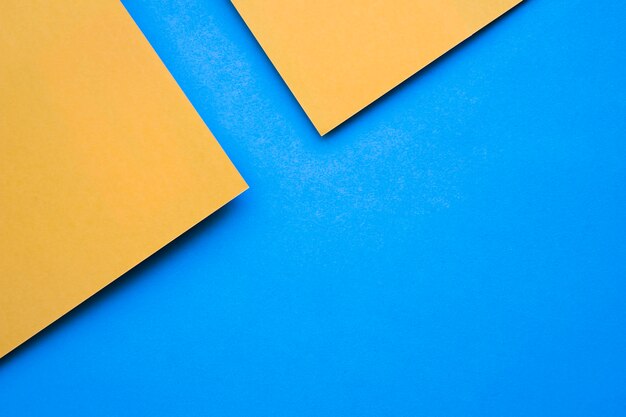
[339,56]
[103,160]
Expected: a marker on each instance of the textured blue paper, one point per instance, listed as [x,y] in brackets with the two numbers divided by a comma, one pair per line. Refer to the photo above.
[457,249]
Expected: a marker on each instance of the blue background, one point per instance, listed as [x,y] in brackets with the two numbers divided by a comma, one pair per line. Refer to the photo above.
[456,249]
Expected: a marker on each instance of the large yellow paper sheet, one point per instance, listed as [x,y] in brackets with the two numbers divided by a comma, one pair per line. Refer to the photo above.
[338,56]
[103,160]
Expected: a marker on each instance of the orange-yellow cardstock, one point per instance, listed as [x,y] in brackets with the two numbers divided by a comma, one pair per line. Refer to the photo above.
[338,56]
[103,160]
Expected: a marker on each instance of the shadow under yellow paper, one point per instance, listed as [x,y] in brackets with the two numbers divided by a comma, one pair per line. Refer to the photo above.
[338,56]
[103,160]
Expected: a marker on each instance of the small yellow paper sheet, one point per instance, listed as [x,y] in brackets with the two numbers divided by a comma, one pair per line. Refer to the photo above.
[103,160]
[338,56]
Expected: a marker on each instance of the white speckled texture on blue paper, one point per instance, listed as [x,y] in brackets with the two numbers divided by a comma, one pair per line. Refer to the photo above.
[456,249]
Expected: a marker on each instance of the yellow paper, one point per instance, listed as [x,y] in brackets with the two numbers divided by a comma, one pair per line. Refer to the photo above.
[338,56]
[102,158]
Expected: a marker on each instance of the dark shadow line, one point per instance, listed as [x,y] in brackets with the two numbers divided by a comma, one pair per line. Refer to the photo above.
[131,277]
[433,66]
[392,92]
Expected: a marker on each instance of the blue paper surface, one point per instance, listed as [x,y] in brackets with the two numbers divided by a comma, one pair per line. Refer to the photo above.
[456,249]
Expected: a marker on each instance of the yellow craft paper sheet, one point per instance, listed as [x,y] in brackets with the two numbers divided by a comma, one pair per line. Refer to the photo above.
[338,56]
[103,160]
